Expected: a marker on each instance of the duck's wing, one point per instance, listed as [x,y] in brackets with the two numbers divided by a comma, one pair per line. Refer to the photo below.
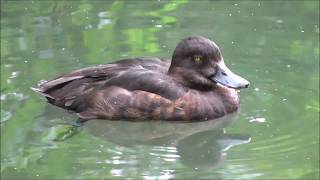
[149,81]
[75,82]
[132,74]
[104,72]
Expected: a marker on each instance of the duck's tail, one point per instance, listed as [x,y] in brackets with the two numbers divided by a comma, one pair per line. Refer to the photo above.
[40,91]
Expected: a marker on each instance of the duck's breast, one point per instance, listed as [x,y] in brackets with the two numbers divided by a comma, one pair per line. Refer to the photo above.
[204,105]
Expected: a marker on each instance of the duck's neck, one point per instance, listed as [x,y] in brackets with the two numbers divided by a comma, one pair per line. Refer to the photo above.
[190,79]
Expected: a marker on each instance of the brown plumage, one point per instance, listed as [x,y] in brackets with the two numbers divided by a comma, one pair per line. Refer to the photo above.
[194,87]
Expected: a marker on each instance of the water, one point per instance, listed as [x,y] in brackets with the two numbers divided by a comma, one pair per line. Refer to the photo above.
[274,44]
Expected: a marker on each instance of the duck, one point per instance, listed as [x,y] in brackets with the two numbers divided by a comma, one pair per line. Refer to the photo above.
[195,85]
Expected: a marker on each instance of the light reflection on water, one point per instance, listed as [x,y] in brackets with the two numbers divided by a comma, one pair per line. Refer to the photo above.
[200,145]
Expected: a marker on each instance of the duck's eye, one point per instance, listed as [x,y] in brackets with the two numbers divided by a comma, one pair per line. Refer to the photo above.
[197,59]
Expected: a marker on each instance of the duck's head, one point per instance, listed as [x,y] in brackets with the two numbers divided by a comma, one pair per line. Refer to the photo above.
[197,62]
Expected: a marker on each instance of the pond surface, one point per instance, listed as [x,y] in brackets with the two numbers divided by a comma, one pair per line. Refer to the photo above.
[274,44]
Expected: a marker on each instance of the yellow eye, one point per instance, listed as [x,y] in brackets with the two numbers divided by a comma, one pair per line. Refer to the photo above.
[197,59]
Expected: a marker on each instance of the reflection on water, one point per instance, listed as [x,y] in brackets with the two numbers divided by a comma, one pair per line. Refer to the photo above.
[197,145]
[272,43]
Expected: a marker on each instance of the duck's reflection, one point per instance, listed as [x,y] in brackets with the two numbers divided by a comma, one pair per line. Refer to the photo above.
[197,145]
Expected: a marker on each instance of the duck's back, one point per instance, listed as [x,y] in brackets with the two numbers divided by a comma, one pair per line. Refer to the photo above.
[79,90]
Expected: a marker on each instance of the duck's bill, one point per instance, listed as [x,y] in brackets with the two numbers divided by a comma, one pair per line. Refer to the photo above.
[227,78]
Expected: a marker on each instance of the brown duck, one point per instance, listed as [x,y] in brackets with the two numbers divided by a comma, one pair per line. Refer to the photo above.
[195,86]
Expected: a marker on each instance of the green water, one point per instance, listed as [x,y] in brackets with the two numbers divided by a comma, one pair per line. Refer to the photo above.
[274,44]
